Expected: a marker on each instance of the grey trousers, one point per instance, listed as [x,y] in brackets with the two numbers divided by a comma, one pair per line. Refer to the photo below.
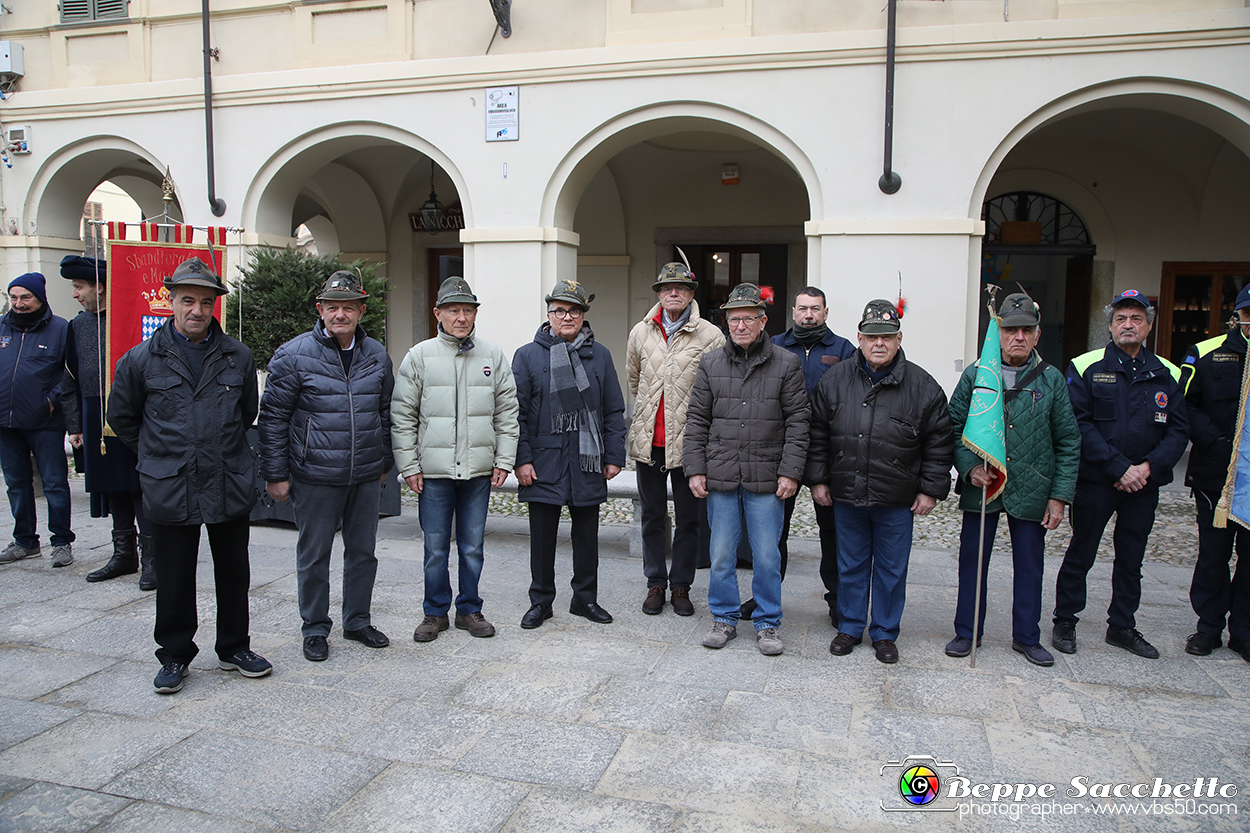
[318,511]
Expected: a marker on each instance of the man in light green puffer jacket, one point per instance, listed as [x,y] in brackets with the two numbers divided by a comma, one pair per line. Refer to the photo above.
[454,434]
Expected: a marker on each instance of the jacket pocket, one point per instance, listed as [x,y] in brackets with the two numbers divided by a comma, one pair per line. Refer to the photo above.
[240,484]
[165,401]
[165,489]
[1102,402]
[909,430]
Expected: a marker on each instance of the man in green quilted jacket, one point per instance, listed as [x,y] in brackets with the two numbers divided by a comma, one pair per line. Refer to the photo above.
[1043,456]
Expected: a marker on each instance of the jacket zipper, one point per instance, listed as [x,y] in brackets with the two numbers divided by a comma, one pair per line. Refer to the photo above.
[21,345]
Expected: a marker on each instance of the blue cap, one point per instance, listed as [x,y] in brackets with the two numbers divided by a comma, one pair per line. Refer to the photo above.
[1243,299]
[1131,295]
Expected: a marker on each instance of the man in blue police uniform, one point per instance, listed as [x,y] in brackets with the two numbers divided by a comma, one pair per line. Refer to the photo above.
[818,349]
[1130,408]
[1211,376]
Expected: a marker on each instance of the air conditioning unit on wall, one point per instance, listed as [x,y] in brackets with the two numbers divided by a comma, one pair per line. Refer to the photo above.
[12,66]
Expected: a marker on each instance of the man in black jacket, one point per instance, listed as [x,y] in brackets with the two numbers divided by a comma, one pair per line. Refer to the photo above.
[882,447]
[325,433]
[1211,378]
[183,401]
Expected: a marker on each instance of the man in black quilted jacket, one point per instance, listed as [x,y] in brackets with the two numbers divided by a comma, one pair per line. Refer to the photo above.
[881,452]
[325,432]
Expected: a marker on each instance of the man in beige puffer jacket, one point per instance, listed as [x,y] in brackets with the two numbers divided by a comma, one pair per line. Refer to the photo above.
[662,356]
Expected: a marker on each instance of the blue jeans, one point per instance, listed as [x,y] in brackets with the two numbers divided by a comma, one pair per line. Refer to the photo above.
[16,446]
[318,511]
[764,514]
[874,543]
[467,500]
[1028,543]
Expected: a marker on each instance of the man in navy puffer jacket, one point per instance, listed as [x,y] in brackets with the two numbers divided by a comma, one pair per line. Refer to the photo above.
[325,432]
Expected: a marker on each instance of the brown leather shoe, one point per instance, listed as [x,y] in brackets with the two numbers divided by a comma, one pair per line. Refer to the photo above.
[844,643]
[681,601]
[887,651]
[654,602]
[475,624]
[428,630]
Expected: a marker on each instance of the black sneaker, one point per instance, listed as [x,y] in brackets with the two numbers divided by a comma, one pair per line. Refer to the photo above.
[1202,644]
[170,677]
[1131,640]
[1063,637]
[247,663]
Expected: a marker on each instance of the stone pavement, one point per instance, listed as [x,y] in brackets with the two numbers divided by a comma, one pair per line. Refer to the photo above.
[631,726]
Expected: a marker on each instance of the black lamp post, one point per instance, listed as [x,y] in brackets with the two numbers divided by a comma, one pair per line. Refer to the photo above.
[432,212]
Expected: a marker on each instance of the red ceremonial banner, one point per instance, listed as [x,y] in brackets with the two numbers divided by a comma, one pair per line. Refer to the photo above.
[138,302]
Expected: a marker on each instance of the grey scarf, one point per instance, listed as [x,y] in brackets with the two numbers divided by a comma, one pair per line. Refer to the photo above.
[569,409]
[670,326]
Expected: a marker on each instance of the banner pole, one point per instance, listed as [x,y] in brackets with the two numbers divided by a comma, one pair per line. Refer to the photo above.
[976,607]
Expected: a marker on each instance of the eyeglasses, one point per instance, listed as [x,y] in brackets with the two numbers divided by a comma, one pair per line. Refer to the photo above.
[565,313]
[742,322]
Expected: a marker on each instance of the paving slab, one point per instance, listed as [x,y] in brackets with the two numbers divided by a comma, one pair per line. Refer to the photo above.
[412,799]
[89,750]
[543,752]
[552,809]
[30,623]
[550,692]
[426,733]
[146,817]
[265,782]
[21,719]
[729,778]
[26,673]
[52,808]
[656,707]
[771,722]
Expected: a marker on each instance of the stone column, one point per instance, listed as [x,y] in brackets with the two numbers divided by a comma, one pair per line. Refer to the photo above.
[1101,288]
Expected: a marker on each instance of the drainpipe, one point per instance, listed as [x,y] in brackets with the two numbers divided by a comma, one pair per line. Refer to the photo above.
[890,181]
[217,204]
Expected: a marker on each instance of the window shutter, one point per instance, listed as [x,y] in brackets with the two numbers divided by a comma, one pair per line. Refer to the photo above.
[73,11]
[110,8]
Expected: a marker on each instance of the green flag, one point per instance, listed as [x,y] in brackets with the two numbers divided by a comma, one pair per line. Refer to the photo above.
[983,431]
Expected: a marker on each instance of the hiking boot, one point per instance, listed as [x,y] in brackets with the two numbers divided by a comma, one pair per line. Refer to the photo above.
[769,643]
[475,623]
[16,552]
[62,556]
[654,602]
[247,663]
[125,560]
[682,605]
[719,635]
[429,628]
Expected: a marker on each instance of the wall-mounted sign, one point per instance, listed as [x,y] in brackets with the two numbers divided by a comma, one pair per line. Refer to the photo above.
[451,220]
[503,114]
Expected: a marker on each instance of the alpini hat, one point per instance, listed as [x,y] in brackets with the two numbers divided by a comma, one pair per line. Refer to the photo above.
[1019,310]
[746,295]
[880,318]
[194,272]
[343,286]
[571,292]
[675,274]
[455,290]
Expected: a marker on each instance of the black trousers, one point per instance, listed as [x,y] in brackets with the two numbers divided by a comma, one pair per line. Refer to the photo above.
[177,552]
[653,497]
[544,524]
[1091,510]
[828,548]
[1213,595]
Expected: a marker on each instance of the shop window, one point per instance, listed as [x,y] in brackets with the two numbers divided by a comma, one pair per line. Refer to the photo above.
[1196,303]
